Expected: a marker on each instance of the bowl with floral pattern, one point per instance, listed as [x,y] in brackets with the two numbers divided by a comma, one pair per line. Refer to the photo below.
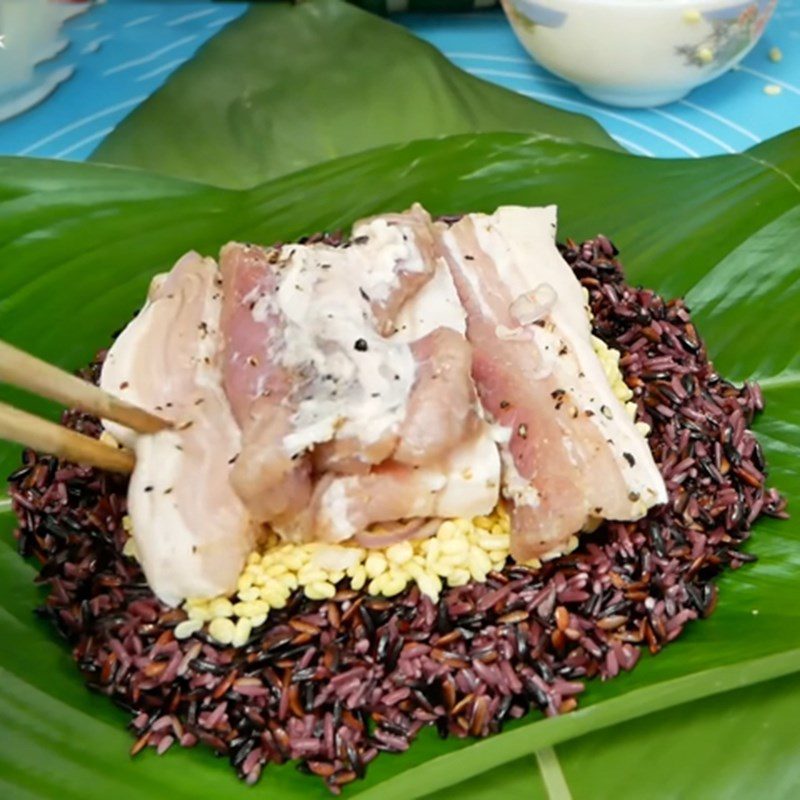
[638,53]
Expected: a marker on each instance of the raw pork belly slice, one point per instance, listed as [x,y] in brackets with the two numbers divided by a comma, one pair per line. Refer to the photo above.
[191,530]
[571,454]
[361,391]
[410,264]
[271,482]
[330,373]
[463,484]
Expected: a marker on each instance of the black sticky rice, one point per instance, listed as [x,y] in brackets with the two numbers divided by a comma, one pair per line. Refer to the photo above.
[334,683]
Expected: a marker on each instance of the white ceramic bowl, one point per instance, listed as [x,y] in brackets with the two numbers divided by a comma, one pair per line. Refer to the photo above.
[31,31]
[638,52]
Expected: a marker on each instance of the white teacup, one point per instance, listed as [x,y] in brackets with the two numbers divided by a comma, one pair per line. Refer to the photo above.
[638,52]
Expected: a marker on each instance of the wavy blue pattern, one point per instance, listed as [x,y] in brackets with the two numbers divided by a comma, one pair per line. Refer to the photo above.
[123,50]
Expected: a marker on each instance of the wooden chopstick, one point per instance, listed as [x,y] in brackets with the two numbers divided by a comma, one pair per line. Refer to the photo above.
[25,371]
[48,437]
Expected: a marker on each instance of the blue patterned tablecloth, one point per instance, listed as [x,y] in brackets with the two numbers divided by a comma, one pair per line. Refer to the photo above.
[120,52]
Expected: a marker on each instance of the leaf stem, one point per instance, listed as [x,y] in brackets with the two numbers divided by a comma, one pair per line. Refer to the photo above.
[555,783]
[780,380]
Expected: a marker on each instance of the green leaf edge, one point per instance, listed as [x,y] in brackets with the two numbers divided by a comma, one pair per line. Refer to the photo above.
[331,24]
[492,751]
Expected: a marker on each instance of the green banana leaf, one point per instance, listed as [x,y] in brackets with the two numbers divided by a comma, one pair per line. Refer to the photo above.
[78,245]
[287,86]
[747,743]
